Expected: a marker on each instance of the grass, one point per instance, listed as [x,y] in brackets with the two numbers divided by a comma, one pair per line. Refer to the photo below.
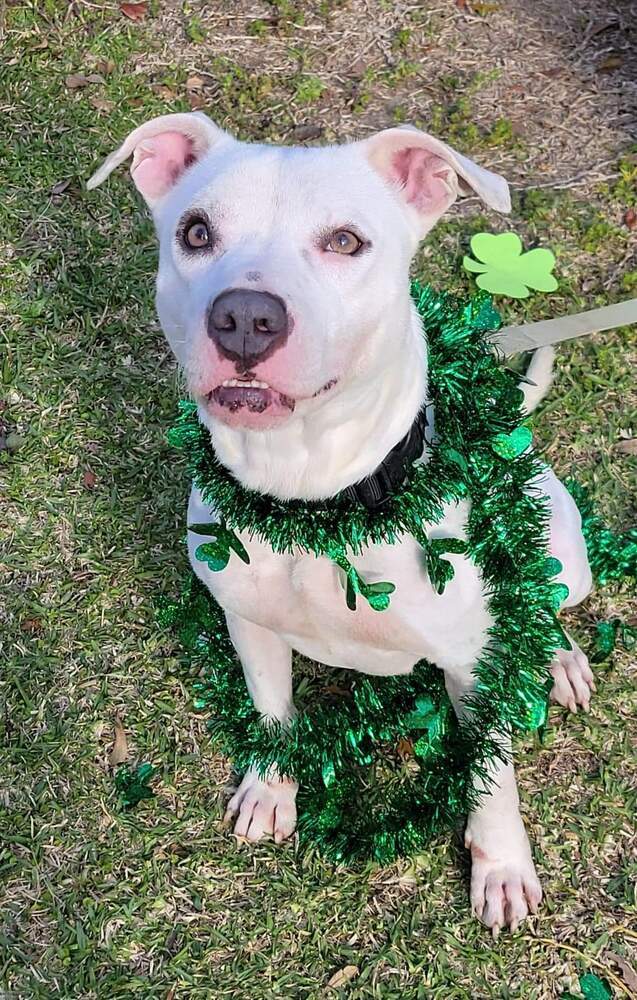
[160,902]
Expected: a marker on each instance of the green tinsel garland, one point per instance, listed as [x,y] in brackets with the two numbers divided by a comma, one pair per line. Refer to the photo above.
[383,763]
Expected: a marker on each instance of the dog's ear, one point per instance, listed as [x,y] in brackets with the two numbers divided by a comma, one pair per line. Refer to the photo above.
[162,150]
[430,175]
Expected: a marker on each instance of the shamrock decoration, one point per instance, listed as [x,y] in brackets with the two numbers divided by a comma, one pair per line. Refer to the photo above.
[376,594]
[511,445]
[592,987]
[503,269]
[607,634]
[134,786]
[439,570]
[217,552]
[433,719]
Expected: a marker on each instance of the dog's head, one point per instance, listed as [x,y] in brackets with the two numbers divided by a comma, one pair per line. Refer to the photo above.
[283,271]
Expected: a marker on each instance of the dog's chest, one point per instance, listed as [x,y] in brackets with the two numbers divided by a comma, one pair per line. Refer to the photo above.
[302,598]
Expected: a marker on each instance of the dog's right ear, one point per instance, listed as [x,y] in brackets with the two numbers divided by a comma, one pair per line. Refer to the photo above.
[163,149]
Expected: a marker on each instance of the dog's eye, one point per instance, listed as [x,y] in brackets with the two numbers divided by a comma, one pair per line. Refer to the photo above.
[197,235]
[343,241]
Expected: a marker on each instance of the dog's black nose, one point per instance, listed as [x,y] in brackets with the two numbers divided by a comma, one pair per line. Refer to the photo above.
[247,326]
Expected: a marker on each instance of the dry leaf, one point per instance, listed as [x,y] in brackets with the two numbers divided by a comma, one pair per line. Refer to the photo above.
[163,91]
[134,11]
[76,80]
[629,974]
[611,62]
[119,753]
[196,102]
[31,625]
[101,104]
[105,66]
[306,132]
[343,976]
[60,186]
[630,218]
[405,748]
[195,82]
[95,78]
[627,447]
[89,479]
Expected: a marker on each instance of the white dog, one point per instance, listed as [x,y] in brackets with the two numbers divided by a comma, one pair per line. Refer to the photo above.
[283,290]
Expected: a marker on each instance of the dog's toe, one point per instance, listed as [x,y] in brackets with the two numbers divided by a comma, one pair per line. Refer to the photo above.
[263,808]
[503,894]
[573,681]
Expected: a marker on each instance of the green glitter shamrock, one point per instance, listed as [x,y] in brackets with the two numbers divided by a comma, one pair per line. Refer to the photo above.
[217,552]
[439,570]
[592,987]
[503,269]
[134,786]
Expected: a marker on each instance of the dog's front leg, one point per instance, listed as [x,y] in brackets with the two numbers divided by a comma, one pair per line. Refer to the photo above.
[504,885]
[264,806]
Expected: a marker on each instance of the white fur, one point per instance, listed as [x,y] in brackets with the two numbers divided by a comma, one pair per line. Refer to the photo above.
[354,322]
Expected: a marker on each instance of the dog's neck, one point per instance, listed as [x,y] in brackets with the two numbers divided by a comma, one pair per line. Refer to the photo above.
[341,440]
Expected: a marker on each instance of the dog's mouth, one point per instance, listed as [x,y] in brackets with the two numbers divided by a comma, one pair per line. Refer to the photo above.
[251,394]
[254,396]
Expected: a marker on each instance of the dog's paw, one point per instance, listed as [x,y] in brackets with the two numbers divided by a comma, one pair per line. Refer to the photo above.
[263,808]
[504,885]
[503,893]
[573,681]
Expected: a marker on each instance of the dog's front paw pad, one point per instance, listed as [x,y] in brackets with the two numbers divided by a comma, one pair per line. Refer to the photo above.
[263,808]
[503,894]
[573,681]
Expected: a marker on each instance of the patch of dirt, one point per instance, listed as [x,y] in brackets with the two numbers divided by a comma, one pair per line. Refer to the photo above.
[547,92]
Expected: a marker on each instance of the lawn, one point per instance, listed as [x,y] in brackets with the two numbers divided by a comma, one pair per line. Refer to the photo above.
[160,901]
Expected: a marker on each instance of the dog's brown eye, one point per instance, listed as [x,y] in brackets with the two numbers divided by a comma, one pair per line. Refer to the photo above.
[342,241]
[197,235]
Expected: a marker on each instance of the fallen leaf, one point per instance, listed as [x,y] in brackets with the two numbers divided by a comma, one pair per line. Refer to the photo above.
[119,753]
[552,71]
[134,11]
[101,104]
[305,132]
[11,442]
[196,102]
[405,748]
[31,625]
[627,447]
[610,63]
[163,91]
[195,82]
[343,976]
[76,80]
[463,5]
[44,44]
[89,479]
[60,186]
[629,974]
[105,66]
[630,218]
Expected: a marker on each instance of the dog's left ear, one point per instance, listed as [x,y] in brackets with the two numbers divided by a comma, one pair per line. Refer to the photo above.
[429,175]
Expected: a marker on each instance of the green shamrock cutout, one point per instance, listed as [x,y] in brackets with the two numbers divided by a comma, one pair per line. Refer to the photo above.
[439,570]
[376,594]
[134,786]
[427,716]
[217,552]
[503,269]
[592,987]
[511,445]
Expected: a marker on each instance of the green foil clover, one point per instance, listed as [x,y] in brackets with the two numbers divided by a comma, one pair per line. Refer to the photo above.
[433,718]
[439,570]
[592,987]
[134,785]
[216,553]
[512,445]
[503,269]
[376,594]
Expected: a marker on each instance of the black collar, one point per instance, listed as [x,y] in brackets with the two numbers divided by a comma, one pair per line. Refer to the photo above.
[376,489]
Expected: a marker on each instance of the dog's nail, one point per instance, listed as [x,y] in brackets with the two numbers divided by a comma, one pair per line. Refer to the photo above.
[495,930]
[514,925]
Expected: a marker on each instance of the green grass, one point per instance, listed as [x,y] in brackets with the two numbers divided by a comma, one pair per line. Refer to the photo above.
[161,902]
